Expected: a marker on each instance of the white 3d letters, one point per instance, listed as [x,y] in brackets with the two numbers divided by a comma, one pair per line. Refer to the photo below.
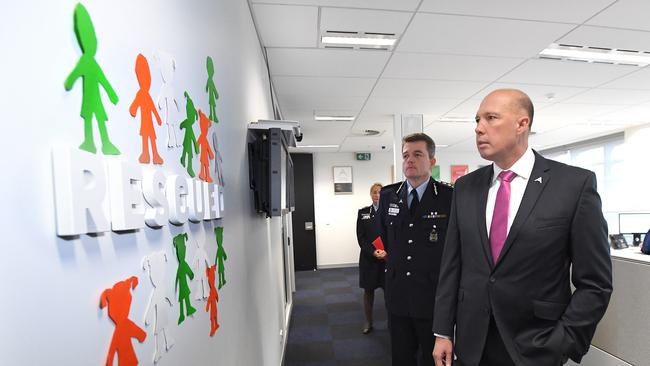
[156,214]
[79,193]
[88,191]
[127,203]
[195,199]
[177,198]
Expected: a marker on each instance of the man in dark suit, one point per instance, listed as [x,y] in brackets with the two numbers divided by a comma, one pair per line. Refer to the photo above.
[520,230]
[413,218]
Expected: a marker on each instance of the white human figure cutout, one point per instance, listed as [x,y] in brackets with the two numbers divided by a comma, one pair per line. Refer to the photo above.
[199,263]
[218,161]
[167,96]
[156,309]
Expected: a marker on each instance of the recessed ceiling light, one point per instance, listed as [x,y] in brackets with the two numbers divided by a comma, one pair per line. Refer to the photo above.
[360,39]
[333,118]
[596,54]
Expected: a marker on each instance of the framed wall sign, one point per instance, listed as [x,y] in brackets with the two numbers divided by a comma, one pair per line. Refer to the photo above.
[342,179]
[458,171]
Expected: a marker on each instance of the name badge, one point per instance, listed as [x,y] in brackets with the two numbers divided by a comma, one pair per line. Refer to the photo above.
[393,211]
[365,216]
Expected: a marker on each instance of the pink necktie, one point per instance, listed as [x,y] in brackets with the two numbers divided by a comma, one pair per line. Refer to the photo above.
[499,226]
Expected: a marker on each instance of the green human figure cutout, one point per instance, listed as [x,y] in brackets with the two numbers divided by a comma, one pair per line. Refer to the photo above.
[221,255]
[213,95]
[88,69]
[189,140]
[182,273]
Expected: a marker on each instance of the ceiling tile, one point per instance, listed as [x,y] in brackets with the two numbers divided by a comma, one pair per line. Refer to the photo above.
[448,67]
[314,102]
[407,88]
[392,105]
[355,20]
[276,31]
[321,62]
[367,143]
[630,14]
[565,73]
[323,86]
[575,11]
[638,80]
[611,96]
[570,134]
[539,94]
[609,38]
[446,133]
[407,5]
[479,36]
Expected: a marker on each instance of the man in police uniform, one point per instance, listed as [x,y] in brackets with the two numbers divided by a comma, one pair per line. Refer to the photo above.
[413,218]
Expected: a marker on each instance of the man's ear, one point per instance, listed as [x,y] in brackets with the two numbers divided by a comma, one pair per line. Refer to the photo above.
[433,162]
[523,123]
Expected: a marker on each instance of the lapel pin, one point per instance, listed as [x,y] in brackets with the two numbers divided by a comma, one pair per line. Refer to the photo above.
[539,180]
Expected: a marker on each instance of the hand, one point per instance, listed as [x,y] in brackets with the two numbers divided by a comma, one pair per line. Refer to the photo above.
[443,352]
[379,254]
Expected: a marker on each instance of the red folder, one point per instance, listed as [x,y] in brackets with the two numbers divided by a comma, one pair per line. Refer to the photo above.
[378,244]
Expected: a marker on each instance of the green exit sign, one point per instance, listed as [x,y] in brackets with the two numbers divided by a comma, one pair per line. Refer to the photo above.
[363,156]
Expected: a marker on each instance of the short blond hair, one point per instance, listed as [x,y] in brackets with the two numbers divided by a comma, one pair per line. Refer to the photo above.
[375,185]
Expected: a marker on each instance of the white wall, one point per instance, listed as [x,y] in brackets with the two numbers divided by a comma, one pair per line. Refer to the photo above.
[51,286]
[637,151]
[335,214]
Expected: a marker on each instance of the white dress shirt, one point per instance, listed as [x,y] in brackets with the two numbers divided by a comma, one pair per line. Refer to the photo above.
[523,168]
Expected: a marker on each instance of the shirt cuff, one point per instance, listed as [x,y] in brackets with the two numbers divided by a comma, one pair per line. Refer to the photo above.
[442,336]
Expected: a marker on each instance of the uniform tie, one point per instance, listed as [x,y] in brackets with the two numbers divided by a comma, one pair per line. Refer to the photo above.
[499,226]
[415,201]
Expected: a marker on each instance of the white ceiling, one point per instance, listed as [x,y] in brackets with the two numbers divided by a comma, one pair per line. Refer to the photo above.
[449,54]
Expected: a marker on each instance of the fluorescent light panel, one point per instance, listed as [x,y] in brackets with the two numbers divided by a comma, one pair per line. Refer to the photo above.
[333,118]
[358,40]
[596,54]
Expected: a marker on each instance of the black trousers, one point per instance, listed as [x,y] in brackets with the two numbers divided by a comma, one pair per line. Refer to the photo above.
[495,352]
[411,340]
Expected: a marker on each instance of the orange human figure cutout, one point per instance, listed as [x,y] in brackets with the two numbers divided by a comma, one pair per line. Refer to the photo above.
[118,299]
[211,305]
[206,151]
[147,107]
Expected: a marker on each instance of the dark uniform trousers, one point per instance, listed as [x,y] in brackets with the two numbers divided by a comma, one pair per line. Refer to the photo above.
[414,242]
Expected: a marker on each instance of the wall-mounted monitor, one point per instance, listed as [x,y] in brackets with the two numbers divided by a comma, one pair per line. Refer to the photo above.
[270,169]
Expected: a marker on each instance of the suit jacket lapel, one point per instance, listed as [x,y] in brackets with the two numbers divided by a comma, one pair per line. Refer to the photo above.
[481,199]
[534,188]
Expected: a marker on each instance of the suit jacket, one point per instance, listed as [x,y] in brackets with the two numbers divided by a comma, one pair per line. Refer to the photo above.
[558,235]
[414,246]
[371,269]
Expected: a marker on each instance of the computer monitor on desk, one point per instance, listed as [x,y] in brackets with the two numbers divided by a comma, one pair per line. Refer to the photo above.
[635,224]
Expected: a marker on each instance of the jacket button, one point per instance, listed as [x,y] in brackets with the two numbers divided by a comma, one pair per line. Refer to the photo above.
[411,225]
[408,273]
[385,270]
[493,280]
[410,241]
[408,258]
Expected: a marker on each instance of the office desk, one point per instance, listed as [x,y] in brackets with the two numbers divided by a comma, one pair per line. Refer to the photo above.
[625,329]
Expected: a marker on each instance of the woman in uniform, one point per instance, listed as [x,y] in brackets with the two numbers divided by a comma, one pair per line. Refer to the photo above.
[371,268]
